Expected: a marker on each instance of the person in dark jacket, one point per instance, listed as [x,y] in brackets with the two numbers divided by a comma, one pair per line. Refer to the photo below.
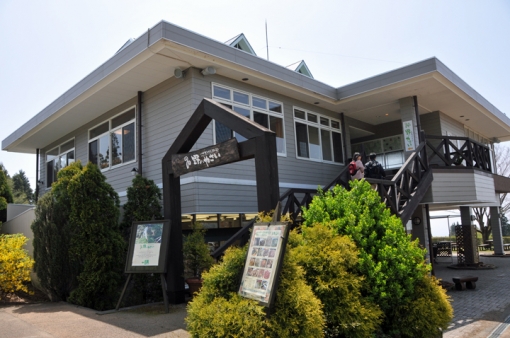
[374,169]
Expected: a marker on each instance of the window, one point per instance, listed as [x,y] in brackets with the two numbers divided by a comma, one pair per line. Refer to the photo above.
[112,143]
[389,150]
[318,137]
[58,158]
[266,112]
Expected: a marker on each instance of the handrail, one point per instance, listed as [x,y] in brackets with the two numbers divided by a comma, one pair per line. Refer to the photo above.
[471,154]
[238,235]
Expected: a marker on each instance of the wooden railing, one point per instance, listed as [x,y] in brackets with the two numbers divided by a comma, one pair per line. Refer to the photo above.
[453,151]
[404,191]
[409,185]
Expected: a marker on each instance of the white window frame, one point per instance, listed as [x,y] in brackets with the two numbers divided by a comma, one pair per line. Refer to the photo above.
[319,126]
[109,132]
[249,106]
[57,157]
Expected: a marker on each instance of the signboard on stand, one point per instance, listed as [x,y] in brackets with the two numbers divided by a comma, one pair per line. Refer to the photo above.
[148,246]
[264,262]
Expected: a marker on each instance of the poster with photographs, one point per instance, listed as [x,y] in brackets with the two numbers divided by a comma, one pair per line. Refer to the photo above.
[148,246]
[263,263]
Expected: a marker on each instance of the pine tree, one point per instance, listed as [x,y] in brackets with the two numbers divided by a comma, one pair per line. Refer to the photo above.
[22,192]
[5,194]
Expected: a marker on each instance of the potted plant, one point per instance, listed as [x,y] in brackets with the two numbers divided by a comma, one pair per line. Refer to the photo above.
[197,257]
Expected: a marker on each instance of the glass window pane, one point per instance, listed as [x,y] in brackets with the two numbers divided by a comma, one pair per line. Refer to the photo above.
[52,154]
[49,174]
[276,107]
[394,159]
[70,157]
[299,114]
[128,143]
[93,152]
[312,117]
[326,145]
[224,93]
[223,133]
[301,140]
[260,118]
[335,124]
[104,152]
[258,102]
[67,146]
[62,162]
[117,147]
[324,121]
[315,144]
[338,150]
[99,130]
[276,125]
[241,98]
[121,119]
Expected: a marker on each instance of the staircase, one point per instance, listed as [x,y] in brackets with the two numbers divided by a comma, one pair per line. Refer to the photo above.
[401,194]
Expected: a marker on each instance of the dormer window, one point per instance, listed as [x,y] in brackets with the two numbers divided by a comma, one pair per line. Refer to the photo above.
[240,42]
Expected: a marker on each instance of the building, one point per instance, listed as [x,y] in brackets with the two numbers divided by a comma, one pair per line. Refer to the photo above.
[126,114]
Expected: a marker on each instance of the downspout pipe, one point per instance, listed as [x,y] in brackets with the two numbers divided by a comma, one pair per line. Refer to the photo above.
[36,175]
[418,122]
[344,137]
[139,132]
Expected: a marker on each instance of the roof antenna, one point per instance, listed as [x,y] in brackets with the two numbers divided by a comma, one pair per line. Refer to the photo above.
[267,45]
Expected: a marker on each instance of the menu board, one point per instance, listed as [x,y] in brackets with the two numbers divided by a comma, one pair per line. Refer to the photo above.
[265,256]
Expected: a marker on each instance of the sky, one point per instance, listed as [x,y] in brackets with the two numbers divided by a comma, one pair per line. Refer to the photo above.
[48,46]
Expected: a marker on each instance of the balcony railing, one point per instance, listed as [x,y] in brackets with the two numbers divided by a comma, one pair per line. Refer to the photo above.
[454,151]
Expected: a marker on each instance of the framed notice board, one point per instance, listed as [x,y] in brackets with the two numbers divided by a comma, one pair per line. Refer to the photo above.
[264,262]
[148,247]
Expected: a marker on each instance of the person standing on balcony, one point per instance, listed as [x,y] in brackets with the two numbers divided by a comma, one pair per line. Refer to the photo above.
[374,169]
[360,168]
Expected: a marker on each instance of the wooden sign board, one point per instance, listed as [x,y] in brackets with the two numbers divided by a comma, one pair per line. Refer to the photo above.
[221,153]
[264,262]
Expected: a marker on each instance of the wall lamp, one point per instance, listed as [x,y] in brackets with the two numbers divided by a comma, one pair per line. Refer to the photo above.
[40,182]
[179,73]
[209,70]
[134,171]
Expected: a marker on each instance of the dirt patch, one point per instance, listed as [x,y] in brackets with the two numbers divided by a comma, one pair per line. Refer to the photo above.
[32,297]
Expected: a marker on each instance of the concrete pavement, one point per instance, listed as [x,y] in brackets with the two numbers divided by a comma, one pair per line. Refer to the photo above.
[66,320]
[478,313]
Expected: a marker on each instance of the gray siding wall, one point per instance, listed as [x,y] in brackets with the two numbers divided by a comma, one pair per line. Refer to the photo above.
[451,127]
[470,187]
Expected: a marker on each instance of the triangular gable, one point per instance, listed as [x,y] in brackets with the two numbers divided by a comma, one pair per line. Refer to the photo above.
[301,68]
[240,42]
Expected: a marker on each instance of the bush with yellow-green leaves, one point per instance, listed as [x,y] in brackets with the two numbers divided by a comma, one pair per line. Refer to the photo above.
[15,263]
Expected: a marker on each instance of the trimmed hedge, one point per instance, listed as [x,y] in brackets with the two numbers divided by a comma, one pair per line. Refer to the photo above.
[392,264]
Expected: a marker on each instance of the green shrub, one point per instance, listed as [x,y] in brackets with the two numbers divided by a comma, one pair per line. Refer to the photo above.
[15,264]
[196,255]
[97,241]
[52,237]
[329,262]
[5,194]
[429,310]
[143,204]
[391,263]
[218,311]
[56,270]
[77,239]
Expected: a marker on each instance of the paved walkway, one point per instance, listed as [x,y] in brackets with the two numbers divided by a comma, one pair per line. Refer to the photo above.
[64,320]
[479,312]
